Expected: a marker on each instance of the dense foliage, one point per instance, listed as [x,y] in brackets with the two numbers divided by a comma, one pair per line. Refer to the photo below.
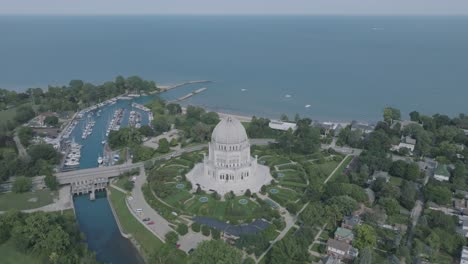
[50,237]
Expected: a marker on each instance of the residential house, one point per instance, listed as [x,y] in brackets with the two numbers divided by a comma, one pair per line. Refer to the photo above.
[341,249]
[380,174]
[364,127]
[464,256]
[330,260]
[344,234]
[351,221]
[405,142]
[283,126]
[441,173]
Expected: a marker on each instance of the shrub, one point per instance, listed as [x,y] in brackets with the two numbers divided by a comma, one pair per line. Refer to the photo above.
[182,229]
[205,230]
[22,184]
[196,227]
[172,237]
[128,185]
[215,233]
[292,207]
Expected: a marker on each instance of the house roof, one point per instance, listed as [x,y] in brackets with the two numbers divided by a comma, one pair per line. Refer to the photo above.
[344,232]
[352,220]
[409,140]
[442,170]
[340,245]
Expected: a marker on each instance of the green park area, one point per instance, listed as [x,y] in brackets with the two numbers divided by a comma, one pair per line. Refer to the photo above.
[27,200]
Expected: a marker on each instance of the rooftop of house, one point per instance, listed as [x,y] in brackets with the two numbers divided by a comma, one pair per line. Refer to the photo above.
[441,169]
[381,174]
[344,233]
[339,245]
[351,220]
[408,140]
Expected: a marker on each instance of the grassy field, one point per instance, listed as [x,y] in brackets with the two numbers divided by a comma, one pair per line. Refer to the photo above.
[9,255]
[20,201]
[340,170]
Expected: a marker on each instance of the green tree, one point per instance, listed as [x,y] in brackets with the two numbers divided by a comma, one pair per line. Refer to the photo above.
[128,184]
[51,121]
[174,109]
[172,238]
[390,114]
[146,131]
[163,146]
[205,230]
[196,227]
[182,229]
[415,116]
[51,182]
[365,237]
[216,251]
[24,114]
[22,184]
[365,256]
[289,250]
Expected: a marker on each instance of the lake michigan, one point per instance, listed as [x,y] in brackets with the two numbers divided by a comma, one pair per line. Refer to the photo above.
[345,68]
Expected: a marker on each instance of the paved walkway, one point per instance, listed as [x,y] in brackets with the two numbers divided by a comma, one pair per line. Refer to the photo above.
[337,167]
[191,240]
[316,241]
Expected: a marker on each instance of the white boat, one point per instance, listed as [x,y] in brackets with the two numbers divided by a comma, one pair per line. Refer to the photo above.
[243,90]
[287,96]
[307,106]
[99,160]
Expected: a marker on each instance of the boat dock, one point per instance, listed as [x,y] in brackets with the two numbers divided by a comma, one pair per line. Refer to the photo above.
[188,95]
[165,88]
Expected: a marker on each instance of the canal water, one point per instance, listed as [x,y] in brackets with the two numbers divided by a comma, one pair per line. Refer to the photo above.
[95,218]
[97,222]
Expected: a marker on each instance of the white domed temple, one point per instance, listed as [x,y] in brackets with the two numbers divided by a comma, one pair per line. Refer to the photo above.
[229,166]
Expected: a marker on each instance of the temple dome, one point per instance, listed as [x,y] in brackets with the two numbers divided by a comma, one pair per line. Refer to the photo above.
[229,131]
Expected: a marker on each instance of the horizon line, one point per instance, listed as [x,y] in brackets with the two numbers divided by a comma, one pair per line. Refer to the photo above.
[236,14]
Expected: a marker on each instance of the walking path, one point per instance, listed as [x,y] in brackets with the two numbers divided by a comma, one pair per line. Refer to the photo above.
[337,167]
[316,241]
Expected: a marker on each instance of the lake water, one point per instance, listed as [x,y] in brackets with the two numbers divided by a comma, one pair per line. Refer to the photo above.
[343,67]
[97,222]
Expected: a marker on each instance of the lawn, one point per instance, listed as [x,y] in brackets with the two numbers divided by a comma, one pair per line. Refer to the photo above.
[130,225]
[9,255]
[9,114]
[340,170]
[395,180]
[283,196]
[23,201]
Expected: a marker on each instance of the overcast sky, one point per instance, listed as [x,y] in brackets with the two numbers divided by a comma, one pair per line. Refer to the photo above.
[346,7]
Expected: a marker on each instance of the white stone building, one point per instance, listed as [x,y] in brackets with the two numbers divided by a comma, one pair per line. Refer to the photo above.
[229,166]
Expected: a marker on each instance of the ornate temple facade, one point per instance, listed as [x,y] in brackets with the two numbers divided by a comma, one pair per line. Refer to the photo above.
[229,165]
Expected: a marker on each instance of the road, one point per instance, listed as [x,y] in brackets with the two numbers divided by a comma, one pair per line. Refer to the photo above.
[161,226]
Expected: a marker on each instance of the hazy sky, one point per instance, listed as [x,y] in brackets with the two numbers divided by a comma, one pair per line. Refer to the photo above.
[349,7]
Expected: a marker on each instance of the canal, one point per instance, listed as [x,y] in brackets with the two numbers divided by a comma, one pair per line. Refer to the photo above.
[97,222]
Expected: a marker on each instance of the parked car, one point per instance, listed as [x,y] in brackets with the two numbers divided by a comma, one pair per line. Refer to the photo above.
[146,219]
[150,223]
